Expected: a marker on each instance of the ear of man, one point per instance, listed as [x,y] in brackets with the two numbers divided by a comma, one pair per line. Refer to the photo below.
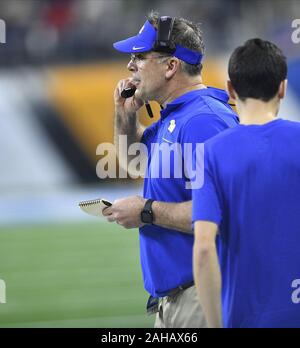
[172,67]
[231,91]
[282,89]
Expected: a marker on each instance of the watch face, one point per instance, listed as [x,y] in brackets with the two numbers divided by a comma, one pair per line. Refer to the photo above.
[146,217]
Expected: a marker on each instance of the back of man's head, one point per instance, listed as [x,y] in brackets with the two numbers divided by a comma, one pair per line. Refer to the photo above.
[256,70]
[186,34]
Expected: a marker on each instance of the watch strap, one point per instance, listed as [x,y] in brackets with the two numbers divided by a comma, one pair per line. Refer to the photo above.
[148,205]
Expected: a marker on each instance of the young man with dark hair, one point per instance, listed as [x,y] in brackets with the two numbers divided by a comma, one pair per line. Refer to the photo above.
[167,71]
[248,208]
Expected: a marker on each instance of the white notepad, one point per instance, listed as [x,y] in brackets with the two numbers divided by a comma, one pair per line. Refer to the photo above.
[94,207]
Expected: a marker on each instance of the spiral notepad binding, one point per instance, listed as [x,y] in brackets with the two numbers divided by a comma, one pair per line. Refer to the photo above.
[94,207]
[91,202]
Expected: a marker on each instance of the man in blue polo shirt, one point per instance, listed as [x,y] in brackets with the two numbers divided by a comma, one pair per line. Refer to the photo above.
[250,202]
[166,67]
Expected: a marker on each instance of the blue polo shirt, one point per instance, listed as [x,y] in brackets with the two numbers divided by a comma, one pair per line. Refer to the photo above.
[252,190]
[166,255]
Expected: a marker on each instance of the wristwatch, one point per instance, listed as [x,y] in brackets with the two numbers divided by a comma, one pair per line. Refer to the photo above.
[147,213]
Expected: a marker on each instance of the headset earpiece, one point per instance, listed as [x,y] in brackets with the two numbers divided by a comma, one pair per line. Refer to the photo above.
[164,31]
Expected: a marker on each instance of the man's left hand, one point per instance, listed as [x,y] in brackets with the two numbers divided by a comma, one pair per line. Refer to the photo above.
[126,212]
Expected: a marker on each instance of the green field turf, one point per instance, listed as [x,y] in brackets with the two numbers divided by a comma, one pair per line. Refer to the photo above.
[79,275]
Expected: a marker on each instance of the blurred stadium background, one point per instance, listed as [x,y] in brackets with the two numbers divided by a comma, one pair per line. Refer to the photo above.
[58,71]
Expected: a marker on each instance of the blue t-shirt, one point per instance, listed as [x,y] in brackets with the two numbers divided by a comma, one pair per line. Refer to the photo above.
[166,255]
[252,191]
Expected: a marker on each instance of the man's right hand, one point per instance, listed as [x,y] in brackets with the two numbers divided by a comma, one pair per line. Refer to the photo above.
[126,106]
[126,120]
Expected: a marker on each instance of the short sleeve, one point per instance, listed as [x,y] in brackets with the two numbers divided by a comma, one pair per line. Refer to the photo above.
[206,201]
[201,128]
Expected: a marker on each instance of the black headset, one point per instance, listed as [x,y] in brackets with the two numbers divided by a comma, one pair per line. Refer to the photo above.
[163,41]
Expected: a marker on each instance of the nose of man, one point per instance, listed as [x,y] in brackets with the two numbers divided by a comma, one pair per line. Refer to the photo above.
[131,66]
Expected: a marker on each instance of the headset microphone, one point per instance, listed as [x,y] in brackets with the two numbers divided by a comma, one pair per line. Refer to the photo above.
[129,92]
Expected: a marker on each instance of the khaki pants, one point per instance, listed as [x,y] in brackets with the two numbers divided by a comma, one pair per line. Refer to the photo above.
[181,311]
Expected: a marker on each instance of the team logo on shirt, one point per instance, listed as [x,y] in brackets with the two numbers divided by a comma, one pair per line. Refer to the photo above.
[172,126]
